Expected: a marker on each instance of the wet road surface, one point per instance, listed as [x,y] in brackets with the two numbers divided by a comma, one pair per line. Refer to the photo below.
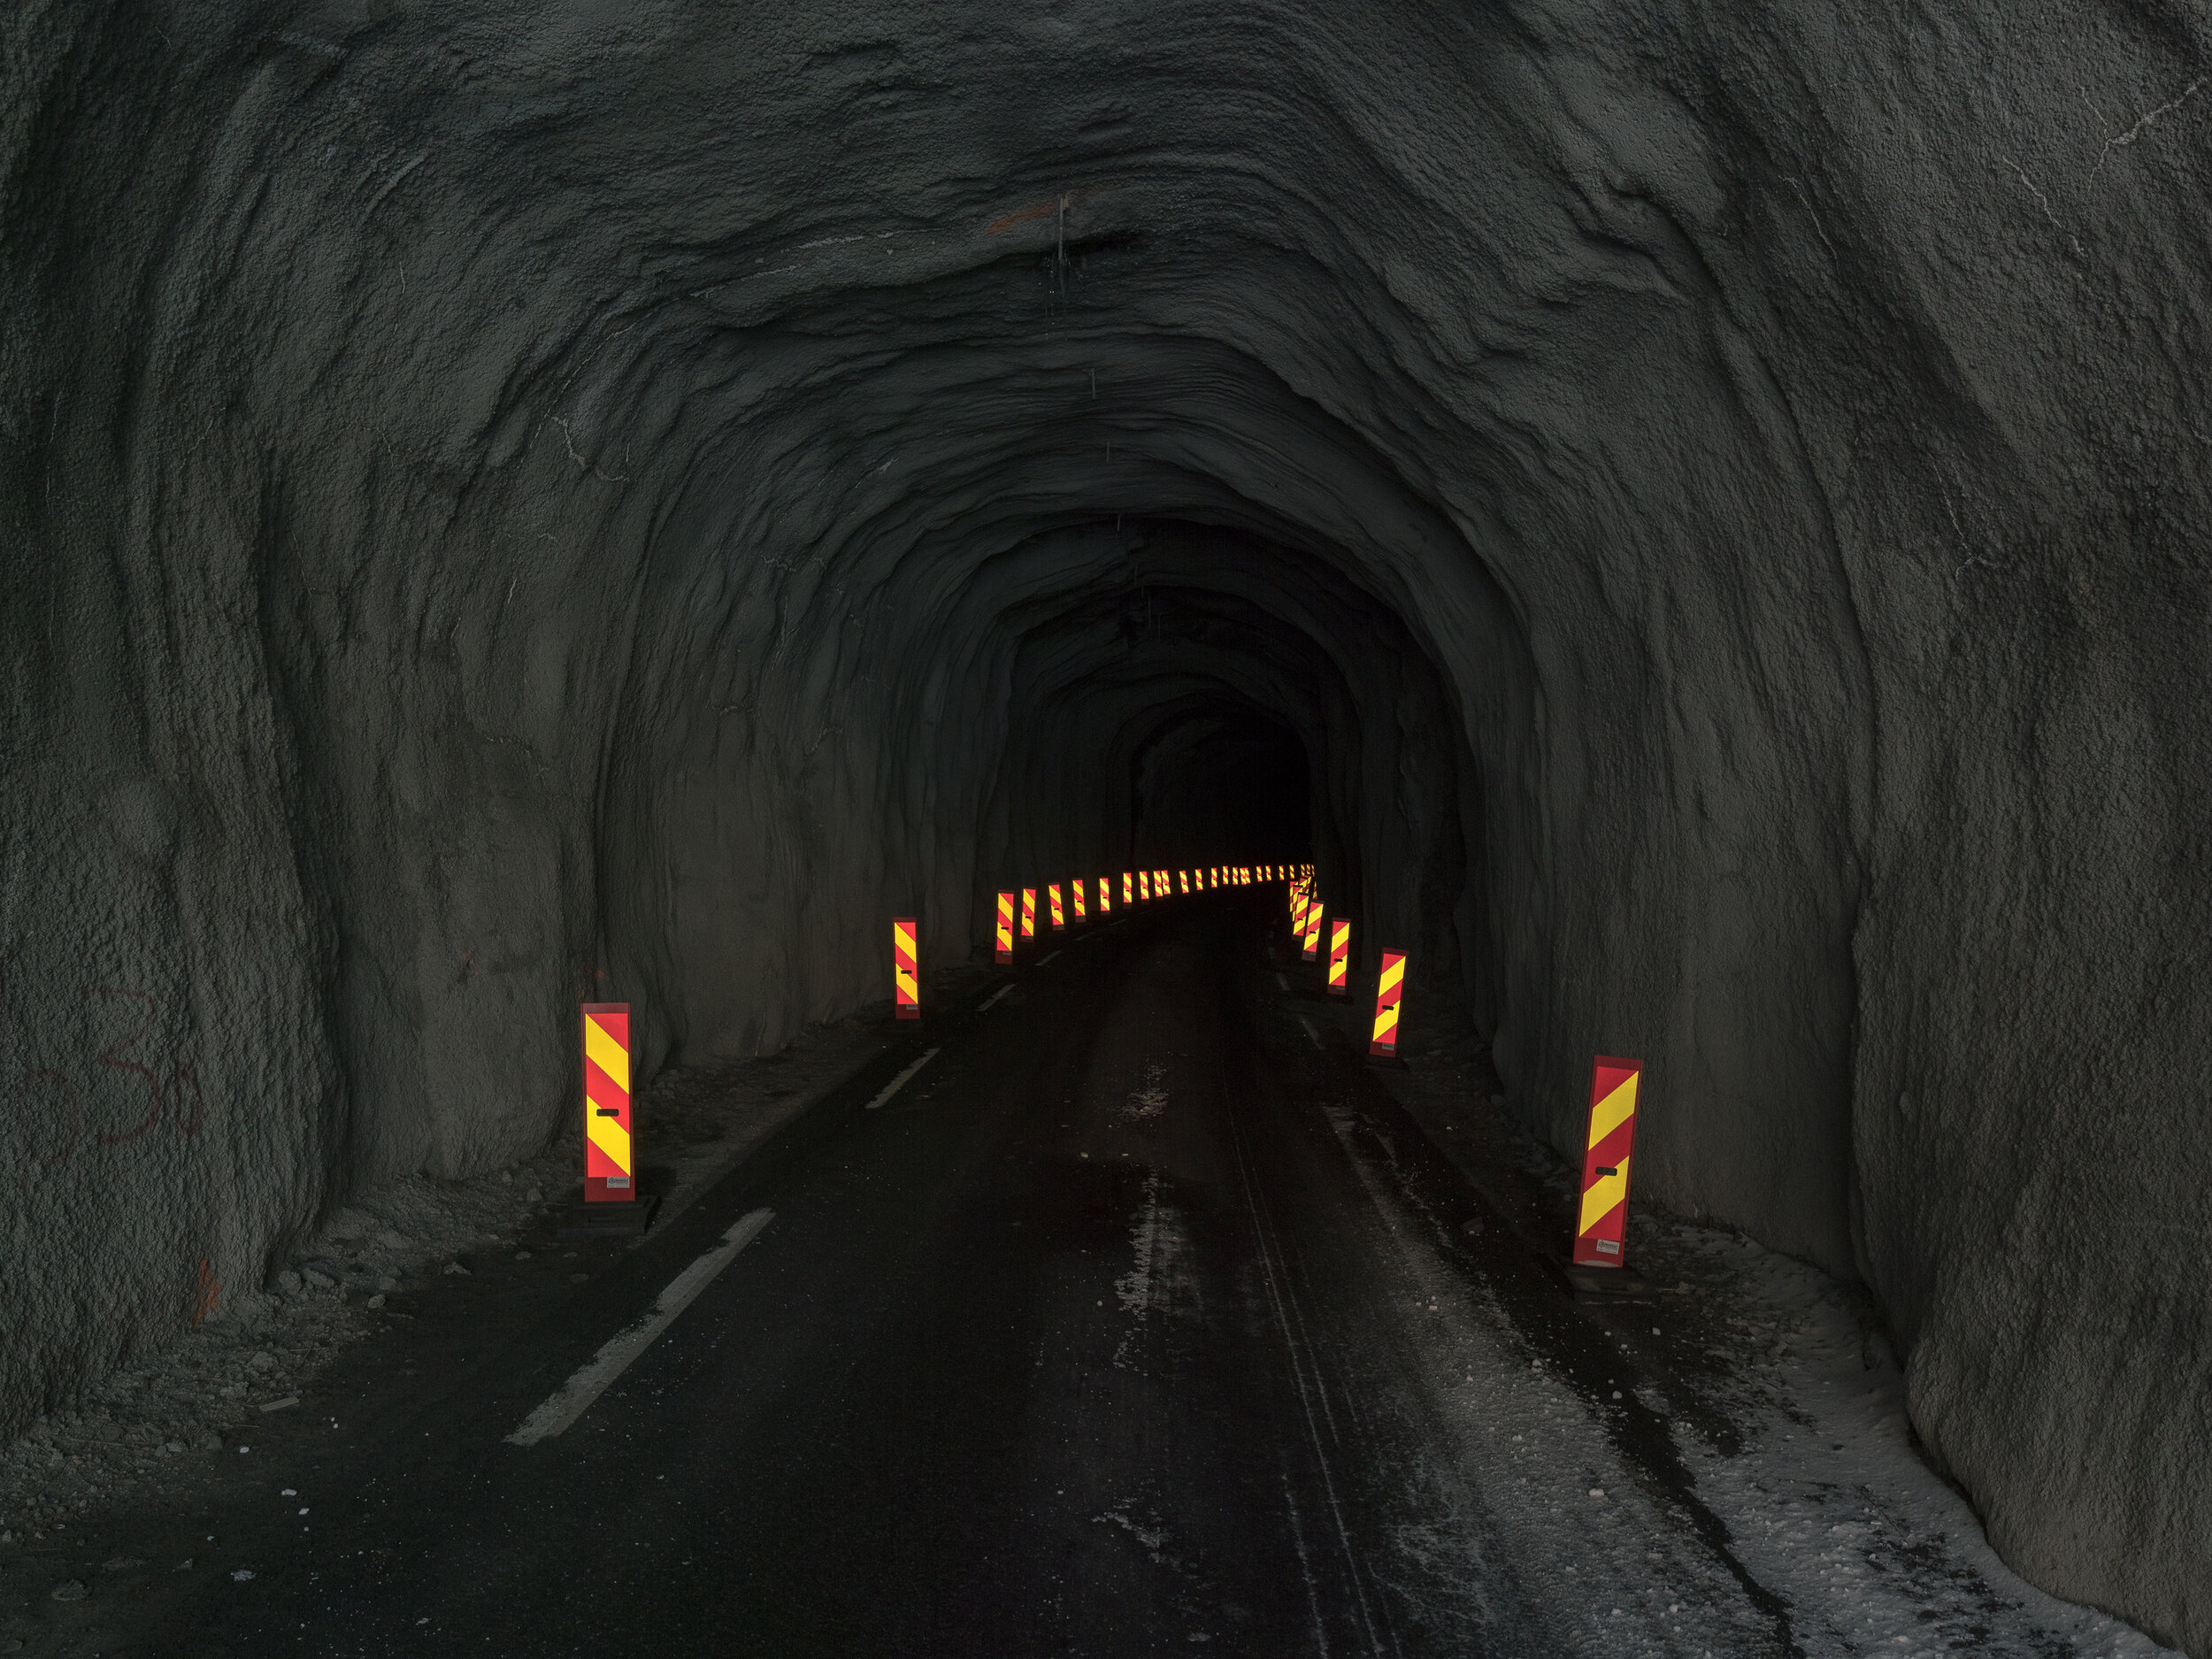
[1133,1323]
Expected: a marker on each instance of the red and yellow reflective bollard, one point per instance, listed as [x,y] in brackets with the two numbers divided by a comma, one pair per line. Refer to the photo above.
[1340,954]
[1602,1225]
[1005,934]
[1390,990]
[1076,892]
[610,1154]
[1105,894]
[1059,917]
[1029,912]
[1144,885]
[906,967]
[1313,947]
[1182,881]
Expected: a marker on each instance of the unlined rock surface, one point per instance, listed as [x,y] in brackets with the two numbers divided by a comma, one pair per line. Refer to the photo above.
[1693,513]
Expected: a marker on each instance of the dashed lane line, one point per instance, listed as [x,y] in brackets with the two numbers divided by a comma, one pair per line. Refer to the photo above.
[574,1397]
[995,996]
[1046,961]
[899,1082]
[1311,1031]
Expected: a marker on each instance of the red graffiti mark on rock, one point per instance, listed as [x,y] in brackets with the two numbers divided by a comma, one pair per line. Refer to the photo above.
[210,1289]
[1043,209]
[111,1057]
[47,1106]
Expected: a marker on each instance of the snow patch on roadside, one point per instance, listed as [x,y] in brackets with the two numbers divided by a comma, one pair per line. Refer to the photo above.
[1153,1538]
[1830,1501]
[1784,1404]
[1162,1274]
[1163,1280]
[157,1423]
[1151,1100]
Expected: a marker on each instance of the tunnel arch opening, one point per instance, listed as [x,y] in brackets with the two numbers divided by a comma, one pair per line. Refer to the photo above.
[1219,781]
[506,514]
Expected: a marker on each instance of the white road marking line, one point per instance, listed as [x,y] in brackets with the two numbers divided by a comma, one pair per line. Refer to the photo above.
[1311,1031]
[899,1082]
[995,996]
[1282,981]
[1041,961]
[574,1397]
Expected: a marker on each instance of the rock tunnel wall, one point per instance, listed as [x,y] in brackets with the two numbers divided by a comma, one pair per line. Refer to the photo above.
[509,503]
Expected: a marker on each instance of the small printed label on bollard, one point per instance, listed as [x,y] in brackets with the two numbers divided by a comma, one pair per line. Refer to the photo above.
[609,1153]
[1602,1223]
[906,970]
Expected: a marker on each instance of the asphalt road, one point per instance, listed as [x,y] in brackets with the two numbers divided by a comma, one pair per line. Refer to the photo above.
[1133,1324]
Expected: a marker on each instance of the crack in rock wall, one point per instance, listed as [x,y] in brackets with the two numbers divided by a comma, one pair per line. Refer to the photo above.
[508,504]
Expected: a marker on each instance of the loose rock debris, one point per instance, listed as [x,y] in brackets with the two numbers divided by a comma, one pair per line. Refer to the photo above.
[157,1421]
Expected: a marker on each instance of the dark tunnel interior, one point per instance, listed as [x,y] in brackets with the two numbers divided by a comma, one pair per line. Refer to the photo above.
[1691,519]
[1218,774]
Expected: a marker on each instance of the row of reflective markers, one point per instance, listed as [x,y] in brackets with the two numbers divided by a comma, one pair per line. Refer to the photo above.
[1600,1222]
[1307,912]
[1602,1218]
[1083,896]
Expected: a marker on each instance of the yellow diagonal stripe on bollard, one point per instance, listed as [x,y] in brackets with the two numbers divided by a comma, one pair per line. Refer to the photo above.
[609,1056]
[1607,1193]
[612,1139]
[1391,975]
[1613,1110]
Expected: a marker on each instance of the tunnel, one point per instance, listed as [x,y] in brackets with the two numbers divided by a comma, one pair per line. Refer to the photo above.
[1682,517]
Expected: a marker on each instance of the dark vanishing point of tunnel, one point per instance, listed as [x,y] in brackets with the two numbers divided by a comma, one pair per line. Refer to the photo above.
[1215,777]
[1694,518]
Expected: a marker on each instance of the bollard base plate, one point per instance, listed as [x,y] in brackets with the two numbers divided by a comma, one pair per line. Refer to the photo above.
[1601,1286]
[606,1220]
[1386,1062]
